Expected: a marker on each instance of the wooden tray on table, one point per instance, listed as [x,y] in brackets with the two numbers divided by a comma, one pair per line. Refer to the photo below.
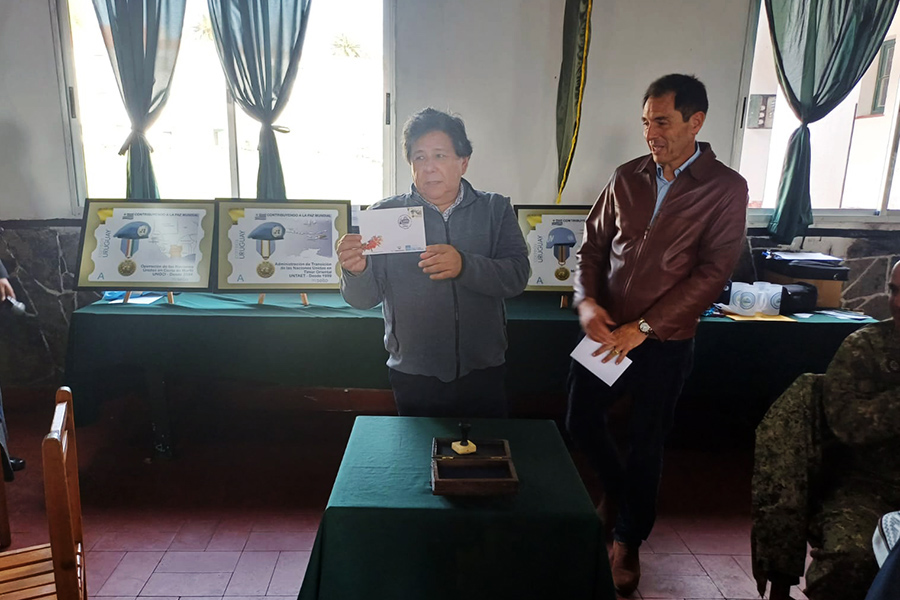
[489,471]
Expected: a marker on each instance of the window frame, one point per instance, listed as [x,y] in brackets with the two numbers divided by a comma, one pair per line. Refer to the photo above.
[882,80]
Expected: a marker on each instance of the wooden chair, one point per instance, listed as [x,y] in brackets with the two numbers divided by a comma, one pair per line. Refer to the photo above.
[5,535]
[54,570]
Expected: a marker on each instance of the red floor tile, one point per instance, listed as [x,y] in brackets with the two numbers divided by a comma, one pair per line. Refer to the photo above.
[198,562]
[273,540]
[285,580]
[252,574]
[728,576]
[100,566]
[194,536]
[228,540]
[670,564]
[138,539]
[186,584]
[677,586]
[130,575]
[665,540]
[729,544]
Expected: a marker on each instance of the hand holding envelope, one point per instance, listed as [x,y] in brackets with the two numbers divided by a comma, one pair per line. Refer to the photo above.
[350,253]
[392,230]
[608,371]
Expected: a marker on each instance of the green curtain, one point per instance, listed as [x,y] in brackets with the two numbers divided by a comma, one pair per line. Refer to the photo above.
[142,38]
[822,49]
[572,79]
[259,44]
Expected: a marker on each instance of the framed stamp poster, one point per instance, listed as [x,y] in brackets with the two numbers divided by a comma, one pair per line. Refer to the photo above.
[142,245]
[280,246]
[553,235]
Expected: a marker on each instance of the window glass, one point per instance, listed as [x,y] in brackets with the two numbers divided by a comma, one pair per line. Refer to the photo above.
[850,146]
[335,112]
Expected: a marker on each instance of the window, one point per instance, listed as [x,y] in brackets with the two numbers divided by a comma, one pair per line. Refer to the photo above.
[851,155]
[205,146]
[885,60]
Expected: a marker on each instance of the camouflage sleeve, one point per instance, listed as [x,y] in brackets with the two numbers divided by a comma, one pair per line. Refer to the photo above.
[786,461]
[861,388]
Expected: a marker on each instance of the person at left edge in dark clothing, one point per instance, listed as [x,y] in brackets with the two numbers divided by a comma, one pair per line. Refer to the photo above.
[10,463]
[444,311]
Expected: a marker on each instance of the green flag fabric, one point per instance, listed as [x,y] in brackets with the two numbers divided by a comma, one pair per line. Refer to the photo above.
[572,78]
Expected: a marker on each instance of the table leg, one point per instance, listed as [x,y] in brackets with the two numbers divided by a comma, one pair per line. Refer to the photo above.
[159,414]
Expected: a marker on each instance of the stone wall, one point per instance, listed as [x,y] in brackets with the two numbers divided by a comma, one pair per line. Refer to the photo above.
[42,257]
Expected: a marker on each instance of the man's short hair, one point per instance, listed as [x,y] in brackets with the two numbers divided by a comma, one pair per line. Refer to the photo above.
[430,119]
[690,93]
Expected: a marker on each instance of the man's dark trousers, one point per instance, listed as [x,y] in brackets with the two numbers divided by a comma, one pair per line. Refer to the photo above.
[654,380]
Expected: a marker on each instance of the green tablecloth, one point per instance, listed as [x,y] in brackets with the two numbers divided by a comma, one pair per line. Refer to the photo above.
[743,365]
[385,536]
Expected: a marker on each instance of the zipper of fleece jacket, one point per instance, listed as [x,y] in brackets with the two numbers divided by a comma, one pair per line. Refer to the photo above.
[455,296]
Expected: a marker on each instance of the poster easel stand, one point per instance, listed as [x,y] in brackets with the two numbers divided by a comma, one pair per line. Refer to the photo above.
[170,297]
[303,298]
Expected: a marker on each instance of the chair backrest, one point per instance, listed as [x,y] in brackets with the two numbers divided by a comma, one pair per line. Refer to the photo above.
[63,498]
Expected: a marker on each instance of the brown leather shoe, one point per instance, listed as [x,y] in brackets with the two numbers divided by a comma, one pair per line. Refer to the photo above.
[626,568]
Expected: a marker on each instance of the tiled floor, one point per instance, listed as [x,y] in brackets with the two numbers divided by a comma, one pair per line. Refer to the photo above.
[235,514]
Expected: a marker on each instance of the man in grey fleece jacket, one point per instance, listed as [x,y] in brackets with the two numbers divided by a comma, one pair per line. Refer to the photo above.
[444,313]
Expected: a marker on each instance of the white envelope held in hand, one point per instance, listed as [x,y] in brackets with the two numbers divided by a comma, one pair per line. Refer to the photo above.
[607,372]
[392,230]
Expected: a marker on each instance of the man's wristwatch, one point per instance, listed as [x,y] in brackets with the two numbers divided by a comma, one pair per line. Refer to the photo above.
[644,326]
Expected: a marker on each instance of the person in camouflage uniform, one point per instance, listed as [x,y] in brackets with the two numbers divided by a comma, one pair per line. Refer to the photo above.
[827,466]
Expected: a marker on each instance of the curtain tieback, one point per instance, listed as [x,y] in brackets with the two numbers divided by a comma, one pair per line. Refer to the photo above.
[280,128]
[135,134]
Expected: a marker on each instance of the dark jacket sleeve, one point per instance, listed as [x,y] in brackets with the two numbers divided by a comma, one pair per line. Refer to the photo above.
[593,257]
[504,274]
[3,273]
[365,290]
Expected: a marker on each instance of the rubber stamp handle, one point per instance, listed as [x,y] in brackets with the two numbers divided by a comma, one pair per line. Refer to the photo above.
[464,433]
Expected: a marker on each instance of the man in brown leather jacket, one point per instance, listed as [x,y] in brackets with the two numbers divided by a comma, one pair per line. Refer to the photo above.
[659,245]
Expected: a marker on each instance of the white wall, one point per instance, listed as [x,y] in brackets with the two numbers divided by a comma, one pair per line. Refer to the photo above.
[34,180]
[496,63]
[756,142]
[871,145]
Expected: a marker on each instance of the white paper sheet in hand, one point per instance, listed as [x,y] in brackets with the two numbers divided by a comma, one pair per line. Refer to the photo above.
[392,230]
[607,372]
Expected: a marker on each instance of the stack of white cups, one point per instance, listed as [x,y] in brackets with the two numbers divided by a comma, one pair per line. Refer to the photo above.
[758,297]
